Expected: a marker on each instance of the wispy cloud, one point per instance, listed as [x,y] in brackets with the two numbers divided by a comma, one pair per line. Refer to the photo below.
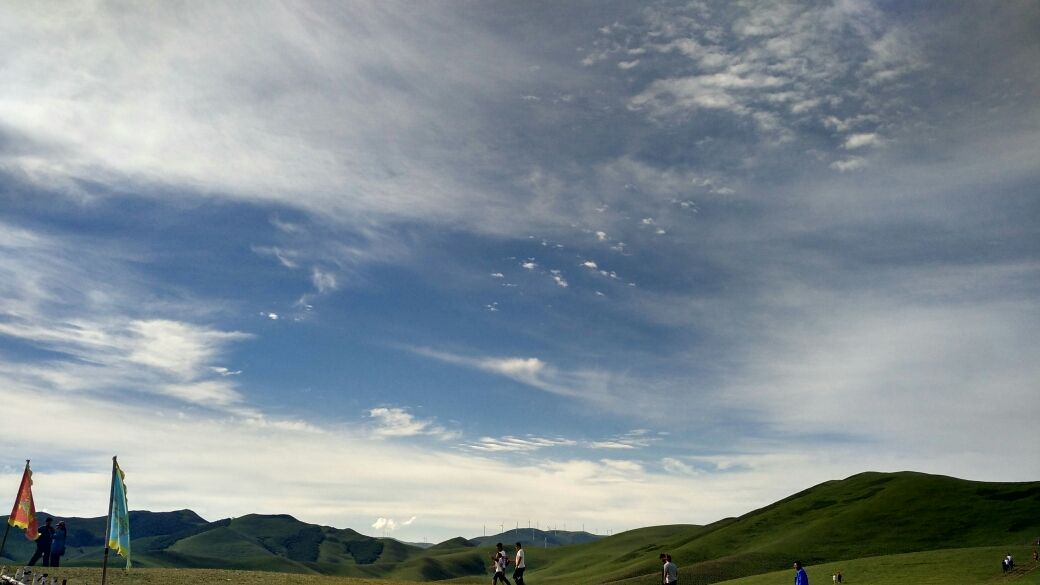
[632,440]
[592,385]
[323,280]
[517,444]
[92,328]
[635,439]
[399,422]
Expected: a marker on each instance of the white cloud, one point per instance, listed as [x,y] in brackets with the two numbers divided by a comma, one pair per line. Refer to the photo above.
[635,439]
[861,140]
[590,264]
[674,466]
[323,281]
[514,367]
[389,524]
[398,422]
[286,258]
[226,450]
[529,265]
[854,163]
[586,384]
[216,393]
[180,349]
[781,62]
[244,114]
[628,64]
[76,306]
[517,444]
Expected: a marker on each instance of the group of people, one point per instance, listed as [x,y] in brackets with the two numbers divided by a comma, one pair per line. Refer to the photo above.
[50,544]
[670,572]
[500,561]
[1008,564]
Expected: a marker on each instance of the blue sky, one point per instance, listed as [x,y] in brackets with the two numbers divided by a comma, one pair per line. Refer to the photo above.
[415,269]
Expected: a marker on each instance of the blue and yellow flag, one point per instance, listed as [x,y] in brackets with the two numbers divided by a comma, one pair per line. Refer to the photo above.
[119,521]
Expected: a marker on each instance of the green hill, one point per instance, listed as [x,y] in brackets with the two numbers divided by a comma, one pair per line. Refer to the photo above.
[866,515]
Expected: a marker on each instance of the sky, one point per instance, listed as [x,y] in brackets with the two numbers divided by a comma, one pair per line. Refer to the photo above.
[429,269]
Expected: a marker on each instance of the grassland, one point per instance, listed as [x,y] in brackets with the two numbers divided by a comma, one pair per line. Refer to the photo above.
[885,525]
[968,566]
[972,566]
[92,576]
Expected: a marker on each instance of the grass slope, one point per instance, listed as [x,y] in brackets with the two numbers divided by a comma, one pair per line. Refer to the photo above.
[970,566]
[865,515]
[92,576]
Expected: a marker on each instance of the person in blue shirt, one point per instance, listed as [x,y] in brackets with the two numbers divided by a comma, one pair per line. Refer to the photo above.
[58,543]
[800,578]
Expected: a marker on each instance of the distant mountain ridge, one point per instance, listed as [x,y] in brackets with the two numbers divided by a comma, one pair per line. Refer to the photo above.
[536,538]
[864,515]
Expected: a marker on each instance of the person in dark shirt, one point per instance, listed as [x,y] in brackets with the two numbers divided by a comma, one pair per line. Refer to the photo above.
[43,544]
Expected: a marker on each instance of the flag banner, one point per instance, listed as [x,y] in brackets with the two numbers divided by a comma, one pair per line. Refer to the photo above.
[119,522]
[23,515]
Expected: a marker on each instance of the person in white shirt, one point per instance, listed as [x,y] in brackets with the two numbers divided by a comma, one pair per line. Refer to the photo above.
[500,559]
[670,571]
[518,572]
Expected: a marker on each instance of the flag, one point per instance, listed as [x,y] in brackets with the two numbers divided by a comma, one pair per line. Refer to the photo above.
[23,515]
[119,520]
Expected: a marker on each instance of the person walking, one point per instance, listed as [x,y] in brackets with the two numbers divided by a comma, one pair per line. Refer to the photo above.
[500,560]
[58,543]
[43,544]
[518,572]
[670,571]
[800,578]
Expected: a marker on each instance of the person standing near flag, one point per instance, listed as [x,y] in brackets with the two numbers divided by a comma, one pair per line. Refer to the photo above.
[43,544]
[58,543]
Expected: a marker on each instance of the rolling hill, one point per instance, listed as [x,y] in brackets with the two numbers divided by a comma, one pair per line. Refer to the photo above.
[865,515]
[535,537]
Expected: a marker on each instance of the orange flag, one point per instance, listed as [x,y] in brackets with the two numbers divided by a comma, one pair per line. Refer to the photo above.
[23,515]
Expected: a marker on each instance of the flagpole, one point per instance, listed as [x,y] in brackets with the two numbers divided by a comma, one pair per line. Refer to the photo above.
[108,525]
[8,529]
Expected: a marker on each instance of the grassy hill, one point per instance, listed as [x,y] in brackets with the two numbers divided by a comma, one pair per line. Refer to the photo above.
[867,515]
